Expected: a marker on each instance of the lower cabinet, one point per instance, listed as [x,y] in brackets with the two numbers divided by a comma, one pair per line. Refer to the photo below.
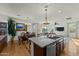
[59,48]
[1,47]
[3,43]
[50,50]
[38,51]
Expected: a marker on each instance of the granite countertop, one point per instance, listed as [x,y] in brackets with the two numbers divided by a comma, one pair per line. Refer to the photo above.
[43,41]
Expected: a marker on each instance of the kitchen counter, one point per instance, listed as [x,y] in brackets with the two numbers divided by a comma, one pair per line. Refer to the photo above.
[3,42]
[47,46]
[44,41]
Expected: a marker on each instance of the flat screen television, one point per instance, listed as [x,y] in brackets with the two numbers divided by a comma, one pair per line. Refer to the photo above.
[59,28]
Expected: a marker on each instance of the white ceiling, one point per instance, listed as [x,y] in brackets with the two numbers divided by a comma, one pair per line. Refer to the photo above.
[36,13]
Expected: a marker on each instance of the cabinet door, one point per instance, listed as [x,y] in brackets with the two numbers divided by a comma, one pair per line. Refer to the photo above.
[38,51]
[62,48]
[1,47]
[57,49]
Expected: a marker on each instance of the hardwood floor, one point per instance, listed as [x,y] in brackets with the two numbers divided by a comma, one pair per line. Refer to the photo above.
[71,49]
[15,50]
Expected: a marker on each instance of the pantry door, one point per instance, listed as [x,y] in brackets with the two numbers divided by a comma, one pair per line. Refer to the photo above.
[72,29]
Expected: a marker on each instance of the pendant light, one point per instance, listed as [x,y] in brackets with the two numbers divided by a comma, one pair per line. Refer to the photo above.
[46,22]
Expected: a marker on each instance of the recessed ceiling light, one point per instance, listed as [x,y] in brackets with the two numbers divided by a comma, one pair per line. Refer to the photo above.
[59,11]
[18,15]
[27,17]
[46,6]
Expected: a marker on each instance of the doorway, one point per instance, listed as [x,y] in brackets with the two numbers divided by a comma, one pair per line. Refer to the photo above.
[72,29]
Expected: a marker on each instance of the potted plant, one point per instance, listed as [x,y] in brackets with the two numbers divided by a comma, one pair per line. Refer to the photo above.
[11,28]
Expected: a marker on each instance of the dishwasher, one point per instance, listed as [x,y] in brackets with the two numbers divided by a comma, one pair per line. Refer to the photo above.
[51,50]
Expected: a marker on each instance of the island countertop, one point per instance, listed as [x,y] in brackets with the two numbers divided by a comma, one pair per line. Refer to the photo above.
[43,41]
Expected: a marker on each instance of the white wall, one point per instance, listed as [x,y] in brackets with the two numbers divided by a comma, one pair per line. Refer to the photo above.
[3,18]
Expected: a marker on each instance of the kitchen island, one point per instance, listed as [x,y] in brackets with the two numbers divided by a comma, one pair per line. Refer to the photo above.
[44,46]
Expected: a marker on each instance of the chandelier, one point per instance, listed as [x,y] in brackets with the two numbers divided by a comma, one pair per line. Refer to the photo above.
[46,22]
